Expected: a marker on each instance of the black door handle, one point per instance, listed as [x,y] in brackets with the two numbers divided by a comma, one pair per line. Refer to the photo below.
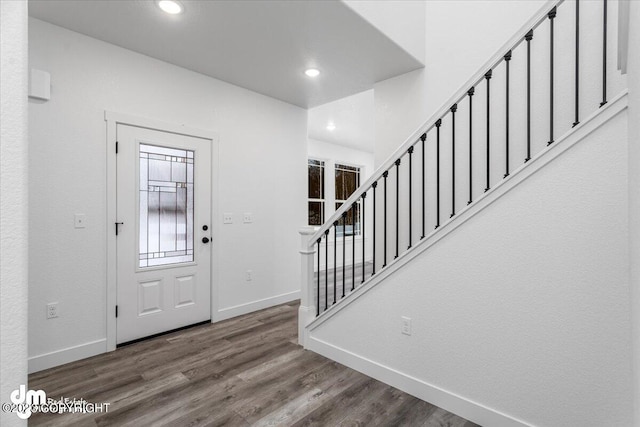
[205,240]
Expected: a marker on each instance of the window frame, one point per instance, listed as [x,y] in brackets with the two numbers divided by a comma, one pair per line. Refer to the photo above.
[323,183]
[337,203]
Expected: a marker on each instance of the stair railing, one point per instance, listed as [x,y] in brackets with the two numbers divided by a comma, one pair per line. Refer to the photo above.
[336,281]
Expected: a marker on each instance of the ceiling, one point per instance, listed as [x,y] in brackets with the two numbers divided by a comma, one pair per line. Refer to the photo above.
[353,118]
[264,46]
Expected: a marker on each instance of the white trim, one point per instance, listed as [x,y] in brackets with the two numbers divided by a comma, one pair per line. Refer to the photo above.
[305,316]
[144,122]
[550,153]
[113,119]
[249,307]
[67,355]
[444,399]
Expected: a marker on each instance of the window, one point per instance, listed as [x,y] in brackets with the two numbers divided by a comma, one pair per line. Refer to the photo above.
[166,206]
[316,192]
[347,181]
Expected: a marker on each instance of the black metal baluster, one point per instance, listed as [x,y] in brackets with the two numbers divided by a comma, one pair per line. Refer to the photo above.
[438,124]
[551,15]
[410,151]
[384,263]
[487,77]
[604,54]
[353,245]
[374,185]
[507,59]
[577,94]
[318,299]
[397,207]
[335,259]
[364,196]
[344,249]
[423,138]
[326,269]
[453,110]
[470,93]
[528,38]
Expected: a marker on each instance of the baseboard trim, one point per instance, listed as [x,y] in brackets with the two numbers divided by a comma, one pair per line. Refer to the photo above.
[444,399]
[238,310]
[67,355]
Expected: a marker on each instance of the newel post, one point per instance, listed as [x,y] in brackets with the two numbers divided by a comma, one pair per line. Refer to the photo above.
[306,310]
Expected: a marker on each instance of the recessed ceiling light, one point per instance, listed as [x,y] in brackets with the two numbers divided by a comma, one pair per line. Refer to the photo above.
[172,7]
[312,72]
[331,127]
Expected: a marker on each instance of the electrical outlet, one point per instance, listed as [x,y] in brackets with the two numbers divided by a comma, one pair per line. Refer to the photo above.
[227,218]
[79,220]
[52,310]
[249,275]
[247,217]
[406,325]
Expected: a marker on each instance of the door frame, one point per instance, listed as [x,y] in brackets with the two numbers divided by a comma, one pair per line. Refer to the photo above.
[112,120]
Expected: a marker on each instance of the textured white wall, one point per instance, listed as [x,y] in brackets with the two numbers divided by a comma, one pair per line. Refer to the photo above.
[401,20]
[634,190]
[262,170]
[524,309]
[13,201]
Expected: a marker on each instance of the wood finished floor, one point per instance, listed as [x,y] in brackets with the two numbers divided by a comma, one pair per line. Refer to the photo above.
[244,371]
[333,277]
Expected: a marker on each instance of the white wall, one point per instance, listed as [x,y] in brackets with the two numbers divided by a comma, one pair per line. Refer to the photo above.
[13,202]
[331,154]
[405,102]
[536,325]
[460,36]
[262,170]
[634,191]
[402,21]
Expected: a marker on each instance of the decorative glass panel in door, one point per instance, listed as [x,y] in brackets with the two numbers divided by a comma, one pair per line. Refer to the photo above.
[166,206]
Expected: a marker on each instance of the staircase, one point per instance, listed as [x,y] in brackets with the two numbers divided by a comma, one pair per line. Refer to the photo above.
[483,233]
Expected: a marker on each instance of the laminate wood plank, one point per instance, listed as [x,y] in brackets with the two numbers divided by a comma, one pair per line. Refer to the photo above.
[204,416]
[62,380]
[270,365]
[212,331]
[269,394]
[243,371]
[339,406]
[240,360]
[442,418]
[373,410]
[163,407]
[116,396]
[294,410]
[216,351]
[412,413]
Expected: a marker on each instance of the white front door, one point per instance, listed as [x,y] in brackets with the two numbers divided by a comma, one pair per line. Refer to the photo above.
[163,239]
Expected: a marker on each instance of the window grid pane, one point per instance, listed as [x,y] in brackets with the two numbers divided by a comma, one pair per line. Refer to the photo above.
[166,206]
[347,180]
[316,192]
